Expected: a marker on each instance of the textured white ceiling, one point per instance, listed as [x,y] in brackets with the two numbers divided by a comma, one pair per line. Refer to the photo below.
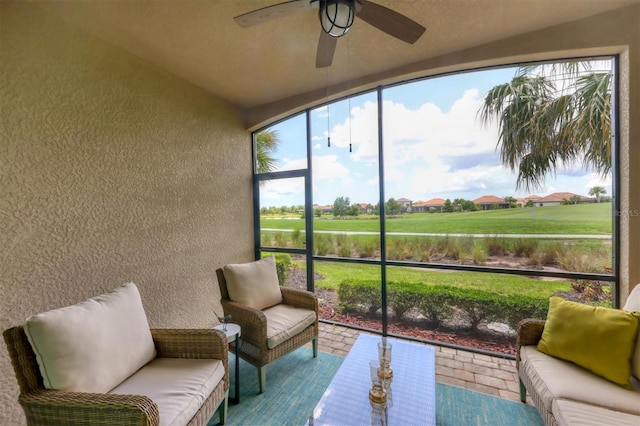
[199,41]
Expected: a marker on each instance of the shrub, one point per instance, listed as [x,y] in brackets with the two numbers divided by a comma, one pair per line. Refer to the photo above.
[550,252]
[296,238]
[433,304]
[525,247]
[280,239]
[343,245]
[495,246]
[322,243]
[283,266]
[394,250]
[516,307]
[422,250]
[440,245]
[354,296]
[401,298]
[437,302]
[366,248]
[587,259]
[479,255]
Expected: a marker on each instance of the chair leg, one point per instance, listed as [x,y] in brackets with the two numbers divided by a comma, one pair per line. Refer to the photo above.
[523,391]
[223,411]
[314,343]
[262,377]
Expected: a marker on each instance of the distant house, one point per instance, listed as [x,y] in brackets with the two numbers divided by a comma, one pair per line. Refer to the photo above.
[425,206]
[365,208]
[488,202]
[405,204]
[522,202]
[557,199]
[326,209]
[419,206]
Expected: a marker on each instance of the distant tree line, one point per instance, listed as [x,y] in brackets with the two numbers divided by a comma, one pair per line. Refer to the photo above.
[342,206]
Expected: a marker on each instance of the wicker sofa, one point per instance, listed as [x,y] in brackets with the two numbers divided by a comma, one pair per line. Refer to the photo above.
[567,394]
[95,364]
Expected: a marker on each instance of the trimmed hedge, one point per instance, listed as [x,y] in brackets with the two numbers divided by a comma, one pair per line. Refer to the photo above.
[283,265]
[438,302]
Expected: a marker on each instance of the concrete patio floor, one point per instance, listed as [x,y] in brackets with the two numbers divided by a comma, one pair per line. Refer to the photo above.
[478,372]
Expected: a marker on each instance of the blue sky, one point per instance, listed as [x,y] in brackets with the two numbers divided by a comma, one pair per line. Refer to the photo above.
[434,147]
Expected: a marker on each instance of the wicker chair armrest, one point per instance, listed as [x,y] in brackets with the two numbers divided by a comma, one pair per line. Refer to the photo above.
[529,332]
[190,343]
[300,299]
[46,407]
[252,322]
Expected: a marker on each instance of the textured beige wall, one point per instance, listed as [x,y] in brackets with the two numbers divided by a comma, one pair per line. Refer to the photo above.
[111,170]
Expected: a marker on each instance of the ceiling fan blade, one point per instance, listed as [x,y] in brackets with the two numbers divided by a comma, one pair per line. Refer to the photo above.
[392,23]
[326,49]
[268,13]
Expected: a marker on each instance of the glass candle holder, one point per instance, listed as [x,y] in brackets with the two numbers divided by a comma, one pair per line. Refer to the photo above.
[377,393]
[379,416]
[384,358]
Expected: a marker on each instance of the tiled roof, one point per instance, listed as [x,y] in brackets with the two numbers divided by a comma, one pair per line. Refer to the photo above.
[435,202]
[488,199]
[558,197]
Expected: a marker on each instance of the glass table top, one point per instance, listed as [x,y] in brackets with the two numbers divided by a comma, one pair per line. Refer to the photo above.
[413,389]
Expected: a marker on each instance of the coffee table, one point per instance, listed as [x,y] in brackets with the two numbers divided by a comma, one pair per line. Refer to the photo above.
[413,390]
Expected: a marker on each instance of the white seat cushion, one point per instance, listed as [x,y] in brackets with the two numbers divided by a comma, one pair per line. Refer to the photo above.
[284,322]
[254,284]
[554,378]
[94,345]
[178,386]
[633,305]
[568,412]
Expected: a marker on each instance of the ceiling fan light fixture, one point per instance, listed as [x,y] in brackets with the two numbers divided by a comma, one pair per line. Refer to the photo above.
[336,16]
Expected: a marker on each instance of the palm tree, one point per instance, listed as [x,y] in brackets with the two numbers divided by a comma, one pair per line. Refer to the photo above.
[544,125]
[597,191]
[267,142]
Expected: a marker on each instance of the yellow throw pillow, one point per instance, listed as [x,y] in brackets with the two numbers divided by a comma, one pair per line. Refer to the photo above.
[599,339]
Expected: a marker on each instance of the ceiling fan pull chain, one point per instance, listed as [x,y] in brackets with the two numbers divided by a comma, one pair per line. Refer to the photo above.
[349,76]
[328,115]
[328,129]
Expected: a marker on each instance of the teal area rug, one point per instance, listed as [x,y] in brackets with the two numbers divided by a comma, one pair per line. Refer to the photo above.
[296,382]
[461,407]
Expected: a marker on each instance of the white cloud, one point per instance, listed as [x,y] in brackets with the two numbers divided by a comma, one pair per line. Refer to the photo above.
[428,153]
[282,192]
[295,164]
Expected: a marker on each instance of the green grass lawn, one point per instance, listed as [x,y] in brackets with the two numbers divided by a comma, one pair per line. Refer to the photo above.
[334,273]
[571,219]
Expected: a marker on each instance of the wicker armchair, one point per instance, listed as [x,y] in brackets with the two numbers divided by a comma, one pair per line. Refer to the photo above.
[253,346]
[48,407]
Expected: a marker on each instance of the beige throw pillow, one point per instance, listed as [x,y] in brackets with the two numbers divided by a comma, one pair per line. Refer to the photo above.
[94,345]
[633,305]
[254,284]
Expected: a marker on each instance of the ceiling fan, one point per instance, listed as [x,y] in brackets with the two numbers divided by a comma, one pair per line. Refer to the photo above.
[336,17]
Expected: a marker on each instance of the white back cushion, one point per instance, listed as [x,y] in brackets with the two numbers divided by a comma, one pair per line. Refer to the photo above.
[633,305]
[254,284]
[94,345]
